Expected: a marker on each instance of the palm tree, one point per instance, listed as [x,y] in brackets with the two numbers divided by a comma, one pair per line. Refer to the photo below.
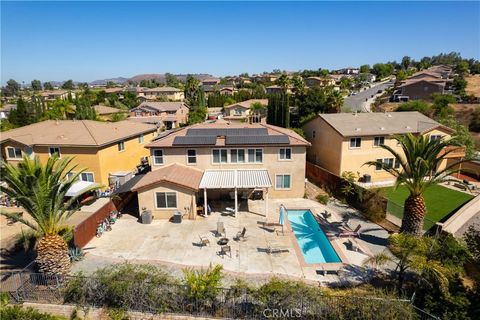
[41,191]
[334,101]
[411,254]
[284,82]
[257,109]
[417,170]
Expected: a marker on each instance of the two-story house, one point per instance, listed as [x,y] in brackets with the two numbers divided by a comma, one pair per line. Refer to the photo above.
[242,112]
[345,141]
[105,149]
[319,82]
[168,115]
[57,94]
[209,161]
[172,94]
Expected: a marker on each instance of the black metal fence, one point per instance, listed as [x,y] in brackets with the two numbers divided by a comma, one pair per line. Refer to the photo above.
[231,303]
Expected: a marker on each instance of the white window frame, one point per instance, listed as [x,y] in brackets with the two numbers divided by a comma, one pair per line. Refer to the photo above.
[14,149]
[141,139]
[237,156]
[255,155]
[80,178]
[284,154]
[220,156]
[381,141]
[121,146]
[166,201]
[51,154]
[189,157]
[154,157]
[355,138]
[283,175]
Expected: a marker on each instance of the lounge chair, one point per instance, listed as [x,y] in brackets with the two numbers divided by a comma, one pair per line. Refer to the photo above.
[240,234]
[276,249]
[330,267]
[220,229]
[203,241]
[224,250]
[349,233]
[352,246]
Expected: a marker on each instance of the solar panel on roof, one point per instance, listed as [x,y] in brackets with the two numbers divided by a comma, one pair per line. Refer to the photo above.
[227,132]
[194,140]
[241,140]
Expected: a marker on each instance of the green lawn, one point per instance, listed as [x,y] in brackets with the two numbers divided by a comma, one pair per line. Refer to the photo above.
[440,202]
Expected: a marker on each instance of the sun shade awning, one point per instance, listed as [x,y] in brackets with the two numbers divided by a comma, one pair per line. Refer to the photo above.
[79,187]
[229,179]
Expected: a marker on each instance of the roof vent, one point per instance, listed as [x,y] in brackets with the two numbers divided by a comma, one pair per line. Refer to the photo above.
[389,115]
[358,129]
[408,127]
[382,128]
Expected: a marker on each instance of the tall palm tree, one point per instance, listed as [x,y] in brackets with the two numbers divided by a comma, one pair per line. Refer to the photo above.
[40,191]
[417,170]
[284,82]
[334,101]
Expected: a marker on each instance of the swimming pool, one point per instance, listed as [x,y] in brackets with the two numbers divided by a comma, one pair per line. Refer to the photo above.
[314,244]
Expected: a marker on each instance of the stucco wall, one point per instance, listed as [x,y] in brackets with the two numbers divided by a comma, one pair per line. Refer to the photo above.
[186,200]
[295,167]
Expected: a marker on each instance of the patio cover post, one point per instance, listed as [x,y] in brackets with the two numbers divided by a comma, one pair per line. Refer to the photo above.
[205,205]
[266,204]
[236,202]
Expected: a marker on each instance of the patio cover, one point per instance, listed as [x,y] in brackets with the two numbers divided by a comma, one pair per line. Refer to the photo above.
[79,187]
[234,179]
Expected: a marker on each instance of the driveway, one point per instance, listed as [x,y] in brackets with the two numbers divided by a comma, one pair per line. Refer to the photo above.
[358,101]
[175,246]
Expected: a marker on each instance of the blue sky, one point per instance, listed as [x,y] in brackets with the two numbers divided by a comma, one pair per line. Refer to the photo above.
[86,41]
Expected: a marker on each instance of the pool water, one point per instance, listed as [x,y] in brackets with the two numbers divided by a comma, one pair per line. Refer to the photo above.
[314,244]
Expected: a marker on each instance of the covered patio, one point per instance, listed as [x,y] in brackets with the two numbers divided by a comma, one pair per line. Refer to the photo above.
[246,180]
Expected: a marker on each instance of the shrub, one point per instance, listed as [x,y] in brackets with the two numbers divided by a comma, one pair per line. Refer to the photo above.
[17,312]
[203,285]
[323,198]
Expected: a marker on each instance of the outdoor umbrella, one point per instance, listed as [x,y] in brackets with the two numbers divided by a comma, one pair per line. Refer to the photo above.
[283,213]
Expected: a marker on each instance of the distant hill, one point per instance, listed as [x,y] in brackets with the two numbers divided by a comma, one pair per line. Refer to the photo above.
[161,77]
[118,80]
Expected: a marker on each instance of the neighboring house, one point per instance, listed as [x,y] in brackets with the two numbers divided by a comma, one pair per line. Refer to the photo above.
[345,141]
[241,111]
[421,89]
[168,115]
[319,82]
[57,94]
[210,81]
[104,149]
[370,77]
[212,161]
[265,77]
[103,112]
[220,89]
[277,89]
[172,94]
[349,70]
[5,110]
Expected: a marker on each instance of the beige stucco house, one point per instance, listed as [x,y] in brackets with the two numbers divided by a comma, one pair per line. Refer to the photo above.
[172,94]
[345,141]
[319,82]
[193,166]
[241,111]
[167,115]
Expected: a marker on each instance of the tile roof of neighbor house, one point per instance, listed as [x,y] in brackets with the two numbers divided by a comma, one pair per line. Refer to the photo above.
[161,106]
[378,123]
[159,89]
[178,174]
[212,88]
[247,104]
[76,132]
[433,81]
[103,110]
[168,140]
[54,93]
[147,119]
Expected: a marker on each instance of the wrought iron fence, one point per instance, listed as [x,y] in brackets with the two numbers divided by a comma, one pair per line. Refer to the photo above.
[175,299]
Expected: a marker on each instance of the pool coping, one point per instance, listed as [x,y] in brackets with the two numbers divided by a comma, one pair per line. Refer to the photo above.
[299,253]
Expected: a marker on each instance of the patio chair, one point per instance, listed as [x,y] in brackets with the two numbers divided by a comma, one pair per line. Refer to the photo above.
[349,233]
[240,234]
[276,249]
[330,267]
[220,229]
[352,246]
[203,241]
[225,250]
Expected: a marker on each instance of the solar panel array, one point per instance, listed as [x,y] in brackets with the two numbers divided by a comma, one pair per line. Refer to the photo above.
[195,140]
[252,140]
[217,132]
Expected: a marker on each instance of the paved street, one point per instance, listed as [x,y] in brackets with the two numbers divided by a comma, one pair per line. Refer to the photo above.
[357,102]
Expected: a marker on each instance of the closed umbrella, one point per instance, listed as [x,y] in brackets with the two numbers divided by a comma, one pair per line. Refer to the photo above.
[283,213]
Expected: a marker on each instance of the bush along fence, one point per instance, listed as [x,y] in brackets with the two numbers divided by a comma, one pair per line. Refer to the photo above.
[369,201]
[159,294]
